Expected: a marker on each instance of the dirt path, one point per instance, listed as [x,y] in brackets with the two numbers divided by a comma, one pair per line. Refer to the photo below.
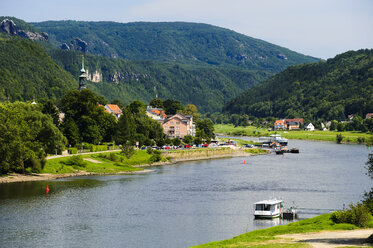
[331,239]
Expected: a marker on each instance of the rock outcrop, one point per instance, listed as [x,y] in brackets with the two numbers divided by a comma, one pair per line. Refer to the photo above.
[9,27]
[76,44]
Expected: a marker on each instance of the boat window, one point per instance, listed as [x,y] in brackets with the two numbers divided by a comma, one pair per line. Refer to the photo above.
[259,207]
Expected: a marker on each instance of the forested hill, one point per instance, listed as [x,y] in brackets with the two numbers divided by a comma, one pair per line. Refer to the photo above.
[206,87]
[329,90]
[187,43]
[27,72]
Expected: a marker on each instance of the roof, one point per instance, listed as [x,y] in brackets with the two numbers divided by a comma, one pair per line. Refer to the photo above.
[279,121]
[114,108]
[295,120]
[158,112]
[269,202]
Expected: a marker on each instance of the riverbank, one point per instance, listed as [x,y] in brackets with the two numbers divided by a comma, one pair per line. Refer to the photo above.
[319,231]
[96,164]
[347,137]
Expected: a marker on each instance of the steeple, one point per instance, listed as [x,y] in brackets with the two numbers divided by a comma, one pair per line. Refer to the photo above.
[82,77]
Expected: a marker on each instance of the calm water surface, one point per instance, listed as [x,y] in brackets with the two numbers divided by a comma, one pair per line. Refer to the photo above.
[180,205]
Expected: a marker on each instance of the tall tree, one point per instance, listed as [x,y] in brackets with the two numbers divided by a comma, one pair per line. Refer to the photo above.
[156,103]
[172,107]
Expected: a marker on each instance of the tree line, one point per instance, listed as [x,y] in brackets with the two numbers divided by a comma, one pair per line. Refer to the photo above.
[30,131]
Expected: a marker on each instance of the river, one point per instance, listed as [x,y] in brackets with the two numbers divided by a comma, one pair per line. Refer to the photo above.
[180,205]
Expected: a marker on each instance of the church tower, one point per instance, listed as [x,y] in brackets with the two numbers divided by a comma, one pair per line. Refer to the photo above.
[82,77]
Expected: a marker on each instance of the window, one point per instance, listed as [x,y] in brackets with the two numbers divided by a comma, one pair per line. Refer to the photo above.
[165,127]
[177,123]
[177,128]
[177,132]
[171,122]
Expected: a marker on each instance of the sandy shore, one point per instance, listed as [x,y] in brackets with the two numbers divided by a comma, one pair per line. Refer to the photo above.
[14,177]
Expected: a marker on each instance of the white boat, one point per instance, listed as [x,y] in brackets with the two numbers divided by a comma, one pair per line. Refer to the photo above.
[268,209]
[273,138]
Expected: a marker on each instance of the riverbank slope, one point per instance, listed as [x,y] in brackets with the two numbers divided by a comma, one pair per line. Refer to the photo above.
[319,231]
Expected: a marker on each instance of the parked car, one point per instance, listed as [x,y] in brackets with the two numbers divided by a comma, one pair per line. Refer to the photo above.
[205,145]
[249,146]
[187,146]
[167,147]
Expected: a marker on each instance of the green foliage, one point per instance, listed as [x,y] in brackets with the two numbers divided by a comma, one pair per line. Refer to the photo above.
[205,129]
[176,141]
[75,161]
[156,103]
[328,90]
[358,215]
[155,158]
[339,138]
[86,121]
[98,148]
[172,107]
[369,165]
[26,134]
[188,139]
[73,150]
[28,73]
[180,42]
[128,150]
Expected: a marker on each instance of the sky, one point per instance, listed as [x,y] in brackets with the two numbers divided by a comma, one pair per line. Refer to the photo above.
[319,28]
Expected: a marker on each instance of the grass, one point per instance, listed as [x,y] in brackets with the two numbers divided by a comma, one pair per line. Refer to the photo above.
[56,166]
[266,237]
[348,137]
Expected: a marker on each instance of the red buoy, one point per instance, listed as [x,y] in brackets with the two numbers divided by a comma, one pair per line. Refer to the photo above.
[47,190]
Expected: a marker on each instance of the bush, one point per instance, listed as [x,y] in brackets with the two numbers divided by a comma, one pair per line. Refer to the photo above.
[360,140]
[73,150]
[149,150]
[98,148]
[155,158]
[75,162]
[128,150]
[358,215]
[339,138]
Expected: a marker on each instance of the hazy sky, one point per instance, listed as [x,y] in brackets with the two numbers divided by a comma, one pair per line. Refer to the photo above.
[320,28]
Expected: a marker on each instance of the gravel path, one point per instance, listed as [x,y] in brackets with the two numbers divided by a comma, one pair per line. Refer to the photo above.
[331,239]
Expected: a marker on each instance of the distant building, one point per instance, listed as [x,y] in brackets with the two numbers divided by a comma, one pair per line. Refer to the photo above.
[157,114]
[309,127]
[280,125]
[294,124]
[291,124]
[114,110]
[179,125]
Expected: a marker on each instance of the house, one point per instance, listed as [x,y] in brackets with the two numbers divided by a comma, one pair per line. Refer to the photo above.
[114,110]
[156,113]
[309,127]
[294,124]
[280,124]
[179,125]
[369,115]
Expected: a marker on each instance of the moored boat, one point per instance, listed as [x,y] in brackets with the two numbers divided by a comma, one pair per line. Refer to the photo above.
[268,209]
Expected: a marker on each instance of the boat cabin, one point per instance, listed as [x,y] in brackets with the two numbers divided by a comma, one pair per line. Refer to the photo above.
[268,209]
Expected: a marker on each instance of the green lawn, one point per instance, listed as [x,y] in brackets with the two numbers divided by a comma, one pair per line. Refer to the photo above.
[56,165]
[348,137]
[266,237]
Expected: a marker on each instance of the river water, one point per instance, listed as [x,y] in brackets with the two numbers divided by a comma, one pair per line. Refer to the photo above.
[181,205]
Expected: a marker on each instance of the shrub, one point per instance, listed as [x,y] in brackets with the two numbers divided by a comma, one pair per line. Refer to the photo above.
[75,161]
[360,140]
[128,150]
[98,148]
[73,150]
[155,158]
[358,215]
[339,138]
[149,150]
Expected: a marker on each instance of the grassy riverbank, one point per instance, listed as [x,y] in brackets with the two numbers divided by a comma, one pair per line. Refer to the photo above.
[117,163]
[348,137]
[268,237]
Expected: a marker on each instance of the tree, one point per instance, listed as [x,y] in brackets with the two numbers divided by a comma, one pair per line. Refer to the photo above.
[176,141]
[26,134]
[83,108]
[126,128]
[191,110]
[172,107]
[137,107]
[205,129]
[368,196]
[188,139]
[156,103]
